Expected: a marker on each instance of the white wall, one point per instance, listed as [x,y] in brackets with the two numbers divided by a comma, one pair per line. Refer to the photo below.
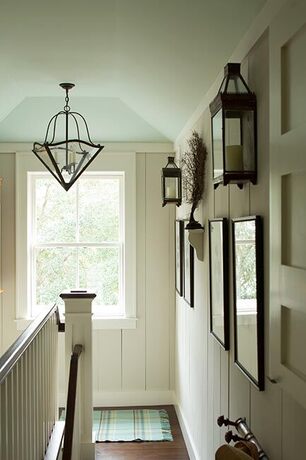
[7,326]
[140,361]
[130,366]
[208,383]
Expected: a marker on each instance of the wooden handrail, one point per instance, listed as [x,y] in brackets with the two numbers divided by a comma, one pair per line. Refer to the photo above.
[71,398]
[11,356]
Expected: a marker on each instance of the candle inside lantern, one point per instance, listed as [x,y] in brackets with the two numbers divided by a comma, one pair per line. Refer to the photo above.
[72,157]
[234,158]
[171,189]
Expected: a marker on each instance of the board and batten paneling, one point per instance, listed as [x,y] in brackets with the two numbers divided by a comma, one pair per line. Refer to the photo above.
[274,416]
[134,366]
[157,281]
[133,355]
[130,366]
[288,195]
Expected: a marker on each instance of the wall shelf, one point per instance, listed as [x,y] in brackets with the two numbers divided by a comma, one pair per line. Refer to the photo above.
[196,239]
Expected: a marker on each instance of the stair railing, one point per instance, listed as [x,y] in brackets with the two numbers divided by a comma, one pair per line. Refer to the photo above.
[28,390]
[71,401]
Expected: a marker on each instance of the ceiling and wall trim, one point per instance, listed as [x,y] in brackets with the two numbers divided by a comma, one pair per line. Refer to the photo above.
[258,27]
[109,147]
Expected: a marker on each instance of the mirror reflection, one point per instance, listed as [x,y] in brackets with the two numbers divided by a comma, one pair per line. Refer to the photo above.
[248,302]
[219,280]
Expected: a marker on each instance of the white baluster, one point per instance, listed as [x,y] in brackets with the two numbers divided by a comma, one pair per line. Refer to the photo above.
[40,400]
[16,412]
[37,395]
[32,392]
[43,392]
[10,406]
[4,419]
[26,398]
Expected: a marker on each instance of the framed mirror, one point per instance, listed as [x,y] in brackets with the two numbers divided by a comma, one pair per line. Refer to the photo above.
[218,269]
[188,269]
[248,297]
[179,256]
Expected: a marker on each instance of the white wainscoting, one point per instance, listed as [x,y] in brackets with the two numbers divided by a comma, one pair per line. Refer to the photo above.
[134,366]
[208,383]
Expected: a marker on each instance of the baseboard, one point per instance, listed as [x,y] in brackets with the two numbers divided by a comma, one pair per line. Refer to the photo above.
[128,398]
[192,451]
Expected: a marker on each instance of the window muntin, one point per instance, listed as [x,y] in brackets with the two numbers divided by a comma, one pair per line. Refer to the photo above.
[76,240]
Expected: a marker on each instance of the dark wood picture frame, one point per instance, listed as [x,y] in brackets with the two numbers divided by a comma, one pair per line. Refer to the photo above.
[248,280]
[218,277]
[179,256]
[188,269]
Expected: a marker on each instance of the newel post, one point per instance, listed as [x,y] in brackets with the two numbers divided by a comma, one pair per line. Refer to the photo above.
[78,330]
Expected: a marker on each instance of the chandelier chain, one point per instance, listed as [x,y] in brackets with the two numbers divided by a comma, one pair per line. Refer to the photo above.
[67,106]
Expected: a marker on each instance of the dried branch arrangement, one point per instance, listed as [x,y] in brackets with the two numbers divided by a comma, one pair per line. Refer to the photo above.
[193,167]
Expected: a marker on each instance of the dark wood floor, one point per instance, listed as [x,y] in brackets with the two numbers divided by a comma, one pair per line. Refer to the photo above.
[175,450]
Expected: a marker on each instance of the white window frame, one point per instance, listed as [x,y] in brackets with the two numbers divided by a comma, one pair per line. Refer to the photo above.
[99,310]
[124,163]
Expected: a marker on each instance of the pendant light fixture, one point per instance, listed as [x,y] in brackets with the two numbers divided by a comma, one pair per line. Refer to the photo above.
[67,159]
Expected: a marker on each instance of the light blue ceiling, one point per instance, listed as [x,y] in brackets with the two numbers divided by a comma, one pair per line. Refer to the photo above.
[108,119]
[140,66]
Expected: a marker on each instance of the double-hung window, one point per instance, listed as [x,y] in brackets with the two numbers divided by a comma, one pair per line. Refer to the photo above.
[76,240]
[81,239]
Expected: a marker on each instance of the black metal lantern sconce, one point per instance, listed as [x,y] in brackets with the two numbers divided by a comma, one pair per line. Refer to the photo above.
[171,182]
[67,160]
[234,131]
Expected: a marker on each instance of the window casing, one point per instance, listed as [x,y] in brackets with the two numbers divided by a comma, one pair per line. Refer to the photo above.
[123,163]
[76,240]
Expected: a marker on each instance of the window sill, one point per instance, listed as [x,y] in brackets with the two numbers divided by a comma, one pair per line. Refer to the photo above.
[98,323]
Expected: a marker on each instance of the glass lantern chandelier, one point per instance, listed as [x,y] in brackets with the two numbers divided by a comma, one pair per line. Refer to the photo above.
[67,160]
[171,183]
[234,131]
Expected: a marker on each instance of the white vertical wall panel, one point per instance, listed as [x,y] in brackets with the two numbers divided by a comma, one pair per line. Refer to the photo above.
[108,360]
[221,202]
[216,394]
[157,280]
[172,295]
[7,168]
[140,361]
[224,390]
[267,427]
[133,341]
[197,345]
[213,395]
[239,200]
[182,350]
[221,209]
[239,394]
[293,429]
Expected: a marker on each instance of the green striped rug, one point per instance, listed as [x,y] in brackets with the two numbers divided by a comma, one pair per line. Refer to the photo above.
[131,425]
